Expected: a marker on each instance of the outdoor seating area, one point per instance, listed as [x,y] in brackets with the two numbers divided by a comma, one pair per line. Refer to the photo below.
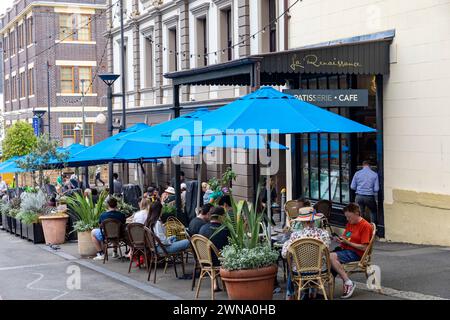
[236,241]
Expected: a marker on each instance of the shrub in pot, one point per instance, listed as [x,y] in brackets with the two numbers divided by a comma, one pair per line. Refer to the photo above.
[248,263]
[86,215]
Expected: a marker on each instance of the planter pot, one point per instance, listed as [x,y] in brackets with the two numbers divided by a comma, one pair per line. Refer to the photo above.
[86,247]
[35,233]
[54,228]
[8,224]
[253,284]
[13,225]
[24,230]
[4,222]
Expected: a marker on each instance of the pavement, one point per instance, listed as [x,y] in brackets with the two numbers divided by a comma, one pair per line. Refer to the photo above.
[38,272]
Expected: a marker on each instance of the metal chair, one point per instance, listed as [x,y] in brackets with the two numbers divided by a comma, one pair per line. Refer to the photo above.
[204,249]
[153,242]
[136,236]
[112,231]
[311,259]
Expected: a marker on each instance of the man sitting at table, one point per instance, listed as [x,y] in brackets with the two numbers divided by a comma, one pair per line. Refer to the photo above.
[353,243]
[201,219]
[309,230]
[97,234]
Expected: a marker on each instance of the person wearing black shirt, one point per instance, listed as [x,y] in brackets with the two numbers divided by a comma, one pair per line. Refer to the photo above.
[220,239]
[200,220]
[97,235]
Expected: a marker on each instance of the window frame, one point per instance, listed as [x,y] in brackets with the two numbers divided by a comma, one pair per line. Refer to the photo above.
[88,80]
[85,25]
[30,81]
[70,25]
[61,79]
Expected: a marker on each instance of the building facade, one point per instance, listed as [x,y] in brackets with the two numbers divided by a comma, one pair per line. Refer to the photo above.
[52,50]
[384,52]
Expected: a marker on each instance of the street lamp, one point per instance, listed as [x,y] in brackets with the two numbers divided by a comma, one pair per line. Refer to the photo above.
[109,79]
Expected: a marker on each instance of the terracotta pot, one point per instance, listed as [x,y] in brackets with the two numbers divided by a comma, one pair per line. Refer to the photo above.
[54,228]
[253,284]
[86,247]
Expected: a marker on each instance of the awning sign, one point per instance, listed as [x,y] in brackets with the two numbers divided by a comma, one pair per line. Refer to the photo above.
[332,98]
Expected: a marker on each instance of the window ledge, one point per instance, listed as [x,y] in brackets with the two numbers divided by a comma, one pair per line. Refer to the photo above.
[75,94]
[30,45]
[32,96]
[76,41]
[23,98]
[20,51]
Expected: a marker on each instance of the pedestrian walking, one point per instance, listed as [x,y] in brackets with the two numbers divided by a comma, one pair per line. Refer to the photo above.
[365,183]
[98,173]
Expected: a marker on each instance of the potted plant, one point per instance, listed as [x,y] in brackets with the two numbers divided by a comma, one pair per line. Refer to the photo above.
[168,211]
[248,263]
[86,215]
[14,209]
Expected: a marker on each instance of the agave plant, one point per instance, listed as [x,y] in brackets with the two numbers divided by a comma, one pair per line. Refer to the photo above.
[85,213]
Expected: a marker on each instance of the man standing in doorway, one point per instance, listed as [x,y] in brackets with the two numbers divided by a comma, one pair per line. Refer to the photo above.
[365,183]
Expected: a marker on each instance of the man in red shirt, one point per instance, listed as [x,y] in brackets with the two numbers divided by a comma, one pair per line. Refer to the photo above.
[353,243]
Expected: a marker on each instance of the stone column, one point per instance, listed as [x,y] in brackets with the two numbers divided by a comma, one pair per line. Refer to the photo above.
[136,53]
[158,57]
[184,44]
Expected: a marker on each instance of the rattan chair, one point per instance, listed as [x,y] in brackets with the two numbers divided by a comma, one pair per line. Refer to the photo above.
[324,207]
[365,262]
[204,250]
[291,208]
[113,236]
[311,259]
[153,242]
[136,237]
[196,264]
[174,227]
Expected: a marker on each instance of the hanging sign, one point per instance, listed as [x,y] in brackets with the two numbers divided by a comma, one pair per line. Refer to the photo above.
[36,126]
[332,98]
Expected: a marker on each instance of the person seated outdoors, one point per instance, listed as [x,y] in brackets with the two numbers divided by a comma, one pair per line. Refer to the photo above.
[353,243]
[220,239]
[152,194]
[154,223]
[169,196]
[201,219]
[296,226]
[97,234]
[309,230]
[94,193]
[207,192]
[141,215]
[183,189]
[225,203]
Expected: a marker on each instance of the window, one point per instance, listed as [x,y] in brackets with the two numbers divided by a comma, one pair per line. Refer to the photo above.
[89,134]
[173,63]
[202,42]
[65,26]
[22,89]
[12,42]
[67,80]
[68,134]
[30,81]
[269,25]
[13,88]
[84,27]
[148,63]
[6,84]
[21,36]
[273,26]
[29,26]
[226,35]
[85,73]
[6,52]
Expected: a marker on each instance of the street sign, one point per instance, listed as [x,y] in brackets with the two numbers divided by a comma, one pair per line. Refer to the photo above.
[36,126]
[332,98]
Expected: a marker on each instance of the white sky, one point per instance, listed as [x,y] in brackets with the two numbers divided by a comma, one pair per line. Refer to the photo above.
[4,4]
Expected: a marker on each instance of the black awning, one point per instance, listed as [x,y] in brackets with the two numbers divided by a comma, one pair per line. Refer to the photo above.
[359,58]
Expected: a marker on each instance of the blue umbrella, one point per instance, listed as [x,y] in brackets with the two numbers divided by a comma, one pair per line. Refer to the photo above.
[10,166]
[269,109]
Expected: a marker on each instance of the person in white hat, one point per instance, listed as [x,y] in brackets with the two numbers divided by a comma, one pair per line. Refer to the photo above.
[307,217]
[170,195]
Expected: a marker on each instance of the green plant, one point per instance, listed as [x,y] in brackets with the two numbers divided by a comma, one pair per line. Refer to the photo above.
[33,202]
[125,208]
[13,212]
[235,258]
[168,211]
[246,249]
[28,217]
[85,212]
[19,140]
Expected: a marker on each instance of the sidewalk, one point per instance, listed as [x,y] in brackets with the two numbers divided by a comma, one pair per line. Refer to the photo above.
[407,272]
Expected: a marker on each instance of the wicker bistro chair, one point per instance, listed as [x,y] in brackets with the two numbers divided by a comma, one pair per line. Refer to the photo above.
[204,249]
[174,227]
[152,242]
[136,238]
[196,264]
[312,260]
[113,236]
[365,262]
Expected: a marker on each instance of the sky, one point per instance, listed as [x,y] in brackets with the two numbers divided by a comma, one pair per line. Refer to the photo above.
[4,4]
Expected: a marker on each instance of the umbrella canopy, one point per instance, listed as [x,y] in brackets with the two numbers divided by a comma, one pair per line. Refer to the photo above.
[10,166]
[119,148]
[271,110]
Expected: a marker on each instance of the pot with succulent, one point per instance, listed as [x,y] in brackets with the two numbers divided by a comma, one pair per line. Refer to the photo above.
[32,206]
[86,215]
[248,263]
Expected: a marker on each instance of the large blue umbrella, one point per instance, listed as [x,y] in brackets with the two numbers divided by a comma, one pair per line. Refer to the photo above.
[10,166]
[271,110]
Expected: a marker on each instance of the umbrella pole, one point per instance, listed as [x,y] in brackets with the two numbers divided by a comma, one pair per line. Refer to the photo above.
[269,193]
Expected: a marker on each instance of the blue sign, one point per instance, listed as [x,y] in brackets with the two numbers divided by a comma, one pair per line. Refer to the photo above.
[36,125]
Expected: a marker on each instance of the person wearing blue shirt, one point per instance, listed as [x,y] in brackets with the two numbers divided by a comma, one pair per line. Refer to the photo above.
[365,183]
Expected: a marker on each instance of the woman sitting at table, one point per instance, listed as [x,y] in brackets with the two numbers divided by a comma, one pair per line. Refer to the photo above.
[141,215]
[154,223]
[296,224]
[309,229]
